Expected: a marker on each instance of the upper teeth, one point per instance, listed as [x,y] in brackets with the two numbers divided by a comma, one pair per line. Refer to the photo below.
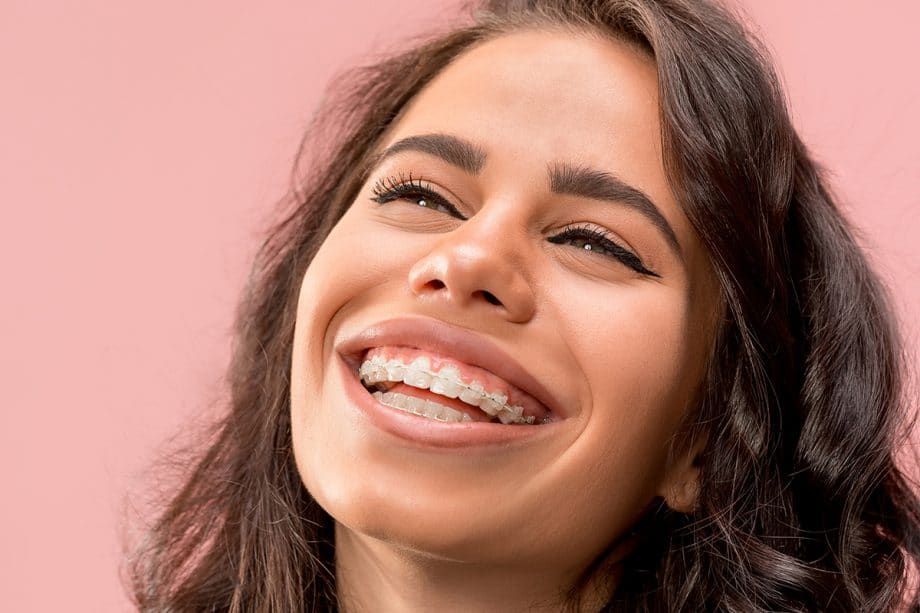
[446,382]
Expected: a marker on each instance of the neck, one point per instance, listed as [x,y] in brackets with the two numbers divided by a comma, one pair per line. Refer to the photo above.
[372,575]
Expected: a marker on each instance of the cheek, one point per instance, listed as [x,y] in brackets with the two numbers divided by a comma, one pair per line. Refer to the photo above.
[350,264]
[632,344]
[329,282]
[351,271]
[632,353]
[358,256]
[633,349]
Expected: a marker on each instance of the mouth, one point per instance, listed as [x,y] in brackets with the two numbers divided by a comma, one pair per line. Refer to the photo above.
[434,371]
[440,387]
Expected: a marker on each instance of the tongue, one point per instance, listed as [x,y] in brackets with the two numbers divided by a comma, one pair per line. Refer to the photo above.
[475,413]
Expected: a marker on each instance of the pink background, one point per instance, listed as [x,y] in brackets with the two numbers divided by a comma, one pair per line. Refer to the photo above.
[141,148]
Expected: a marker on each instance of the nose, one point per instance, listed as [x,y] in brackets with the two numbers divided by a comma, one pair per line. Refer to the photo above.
[473,267]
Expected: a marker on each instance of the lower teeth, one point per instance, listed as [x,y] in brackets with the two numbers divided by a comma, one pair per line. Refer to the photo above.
[422,408]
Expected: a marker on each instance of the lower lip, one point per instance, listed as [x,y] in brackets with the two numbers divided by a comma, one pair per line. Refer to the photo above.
[433,433]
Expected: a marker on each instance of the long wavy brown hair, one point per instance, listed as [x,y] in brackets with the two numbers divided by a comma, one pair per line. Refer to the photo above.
[802,504]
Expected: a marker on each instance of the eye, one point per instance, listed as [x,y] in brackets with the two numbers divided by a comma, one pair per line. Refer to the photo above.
[587,238]
[599,242]
[413,190]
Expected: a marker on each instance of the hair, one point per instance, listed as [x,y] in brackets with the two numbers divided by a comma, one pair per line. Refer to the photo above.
[802,506]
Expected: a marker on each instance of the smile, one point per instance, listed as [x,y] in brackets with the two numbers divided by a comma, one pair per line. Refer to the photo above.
[457,392]
[417,413]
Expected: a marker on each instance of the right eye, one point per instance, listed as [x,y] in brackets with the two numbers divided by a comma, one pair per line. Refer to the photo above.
[412,190]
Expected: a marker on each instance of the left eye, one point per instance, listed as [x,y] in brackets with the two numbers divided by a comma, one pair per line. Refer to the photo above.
[588,239]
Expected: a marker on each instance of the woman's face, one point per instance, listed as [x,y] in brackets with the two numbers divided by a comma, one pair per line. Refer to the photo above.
[491,183]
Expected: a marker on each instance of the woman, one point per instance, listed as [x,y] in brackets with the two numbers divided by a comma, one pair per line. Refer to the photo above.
[565,319]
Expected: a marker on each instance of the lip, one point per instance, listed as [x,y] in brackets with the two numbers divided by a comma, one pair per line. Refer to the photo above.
[450,341]
[463,345]
[433,435]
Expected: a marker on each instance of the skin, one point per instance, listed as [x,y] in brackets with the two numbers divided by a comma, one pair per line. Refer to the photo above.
[510,529]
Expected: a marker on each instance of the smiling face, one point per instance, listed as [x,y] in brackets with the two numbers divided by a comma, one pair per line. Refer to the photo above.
[521,197]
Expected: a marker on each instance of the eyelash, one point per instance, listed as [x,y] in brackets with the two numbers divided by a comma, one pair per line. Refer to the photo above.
[408,187]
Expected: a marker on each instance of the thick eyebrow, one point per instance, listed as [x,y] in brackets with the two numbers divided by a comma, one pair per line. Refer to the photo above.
[456,151]
[587,182]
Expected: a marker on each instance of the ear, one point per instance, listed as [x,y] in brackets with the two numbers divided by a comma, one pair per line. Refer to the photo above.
[681,485]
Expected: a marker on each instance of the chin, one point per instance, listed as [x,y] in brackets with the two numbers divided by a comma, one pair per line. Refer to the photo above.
[428,528]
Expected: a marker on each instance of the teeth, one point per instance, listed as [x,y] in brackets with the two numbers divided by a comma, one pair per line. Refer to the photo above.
[417,378]
[413,405]
[445,386]
[512,414]
[421,363]
[446,382]
[489,406]
[516,412]
[422,408]
[374,371]
[439,412]
[396,370]
[472,394]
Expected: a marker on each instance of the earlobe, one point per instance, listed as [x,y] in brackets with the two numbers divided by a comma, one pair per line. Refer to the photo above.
[682,485]
[682,496]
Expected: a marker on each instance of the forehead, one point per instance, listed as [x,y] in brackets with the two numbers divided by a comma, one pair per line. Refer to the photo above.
[539,96]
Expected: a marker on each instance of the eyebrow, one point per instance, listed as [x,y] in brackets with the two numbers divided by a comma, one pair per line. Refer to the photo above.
[574,180]
[456,151]
[587,182]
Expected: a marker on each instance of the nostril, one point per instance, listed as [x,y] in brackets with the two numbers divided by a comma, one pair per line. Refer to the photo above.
[491,297]
[437,284]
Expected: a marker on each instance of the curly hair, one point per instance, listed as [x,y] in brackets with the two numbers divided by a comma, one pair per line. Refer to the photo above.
[802,505]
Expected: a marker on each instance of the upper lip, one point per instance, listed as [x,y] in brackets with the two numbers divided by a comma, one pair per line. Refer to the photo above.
[450,341]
